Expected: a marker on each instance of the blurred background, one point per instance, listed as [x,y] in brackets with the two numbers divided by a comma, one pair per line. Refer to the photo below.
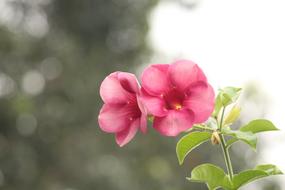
[55,53]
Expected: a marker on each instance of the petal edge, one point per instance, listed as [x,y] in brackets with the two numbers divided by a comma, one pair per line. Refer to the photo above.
[174,122]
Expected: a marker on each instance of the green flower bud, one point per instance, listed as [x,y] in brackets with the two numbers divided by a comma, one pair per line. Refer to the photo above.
[233,115]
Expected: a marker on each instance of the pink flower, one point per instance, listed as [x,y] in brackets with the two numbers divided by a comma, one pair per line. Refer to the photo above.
[177,95]
[121,114]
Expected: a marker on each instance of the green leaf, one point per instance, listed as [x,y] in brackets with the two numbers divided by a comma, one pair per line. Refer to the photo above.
[255,126]
[231,142]
[225,97]
[259,125]
[258,172]
[229,95]
[247,177]
[247,137]
[189,142]
[270,169]
[215,177]
[212,175]
[218,106]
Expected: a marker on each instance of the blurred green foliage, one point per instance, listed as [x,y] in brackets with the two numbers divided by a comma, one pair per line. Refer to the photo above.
[53,56]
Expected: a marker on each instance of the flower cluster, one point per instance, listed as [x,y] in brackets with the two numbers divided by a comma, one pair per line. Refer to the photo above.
[176,95]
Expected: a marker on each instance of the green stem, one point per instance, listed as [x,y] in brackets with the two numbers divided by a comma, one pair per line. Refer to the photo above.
[227,157]
[224,148]
[222,118]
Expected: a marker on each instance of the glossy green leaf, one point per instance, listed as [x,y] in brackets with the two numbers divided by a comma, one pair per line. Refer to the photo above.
[258,172]
[225,97]
[212,175]
[259,125]
[247,137]
[189,142]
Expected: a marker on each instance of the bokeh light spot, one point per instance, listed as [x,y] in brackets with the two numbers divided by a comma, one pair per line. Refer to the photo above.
[33,82]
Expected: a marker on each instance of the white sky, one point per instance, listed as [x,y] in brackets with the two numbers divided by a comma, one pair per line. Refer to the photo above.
[234,42]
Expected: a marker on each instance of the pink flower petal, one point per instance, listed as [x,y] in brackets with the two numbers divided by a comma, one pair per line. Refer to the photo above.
[143,123]
[154,105]
[175,122]
[112,91]
[155,79]
[125,136]
[114,118]
[129,82]
[183,73]
[143,119]
[201,101]
[141,105]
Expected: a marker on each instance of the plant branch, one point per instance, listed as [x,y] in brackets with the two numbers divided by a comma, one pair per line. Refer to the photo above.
[227,157]
[224,148]
[222,118]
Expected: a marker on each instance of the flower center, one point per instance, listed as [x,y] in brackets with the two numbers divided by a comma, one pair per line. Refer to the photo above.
[174,99]
[178,106]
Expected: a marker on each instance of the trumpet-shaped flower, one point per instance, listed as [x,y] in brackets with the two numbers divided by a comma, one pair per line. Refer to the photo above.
[121,113]
[177,95]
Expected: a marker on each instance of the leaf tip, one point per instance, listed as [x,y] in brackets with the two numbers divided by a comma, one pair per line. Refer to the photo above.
[179,158]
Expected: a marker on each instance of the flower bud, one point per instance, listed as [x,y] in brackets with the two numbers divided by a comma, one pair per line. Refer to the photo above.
[215,139]
[233,115]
